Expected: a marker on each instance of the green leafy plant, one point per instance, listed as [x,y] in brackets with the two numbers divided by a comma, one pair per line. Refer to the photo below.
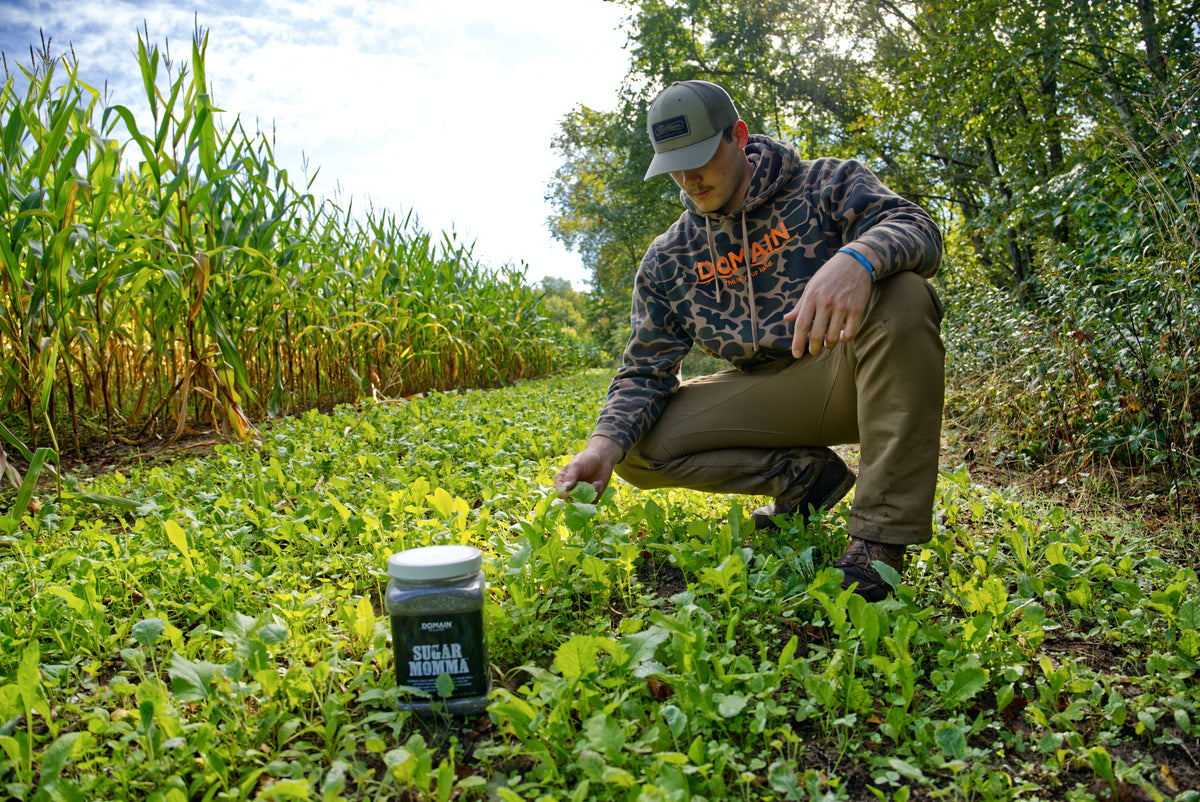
[227,639]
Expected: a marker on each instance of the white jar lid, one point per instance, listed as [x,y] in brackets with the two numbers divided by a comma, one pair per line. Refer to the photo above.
[434,562]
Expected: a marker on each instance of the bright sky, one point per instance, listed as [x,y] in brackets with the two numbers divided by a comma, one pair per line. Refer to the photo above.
[443,107]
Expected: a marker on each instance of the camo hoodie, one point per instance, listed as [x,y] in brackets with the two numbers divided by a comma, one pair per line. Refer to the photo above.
[724,282]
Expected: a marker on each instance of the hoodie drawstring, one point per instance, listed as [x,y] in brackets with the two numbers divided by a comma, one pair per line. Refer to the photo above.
[712,254]
[750,285]
[712,251]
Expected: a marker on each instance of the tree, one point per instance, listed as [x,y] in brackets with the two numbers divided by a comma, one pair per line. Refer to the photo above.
[564,305]
[1008,105]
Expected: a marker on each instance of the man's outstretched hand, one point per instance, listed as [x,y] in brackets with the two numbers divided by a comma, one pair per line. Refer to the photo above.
[593,465]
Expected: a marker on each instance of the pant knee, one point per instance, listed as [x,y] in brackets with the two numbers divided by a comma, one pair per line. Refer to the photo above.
[908,300]
[637,470]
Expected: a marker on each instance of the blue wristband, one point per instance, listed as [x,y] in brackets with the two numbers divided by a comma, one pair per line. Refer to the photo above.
[862,260]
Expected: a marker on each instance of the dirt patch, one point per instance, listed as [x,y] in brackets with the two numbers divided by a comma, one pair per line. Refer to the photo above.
[1100,657]
[105,456]
[658,574]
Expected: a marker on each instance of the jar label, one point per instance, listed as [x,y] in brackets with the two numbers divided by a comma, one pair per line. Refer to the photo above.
[425,647]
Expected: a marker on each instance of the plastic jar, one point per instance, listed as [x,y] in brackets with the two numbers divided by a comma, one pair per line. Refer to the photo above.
[435,599]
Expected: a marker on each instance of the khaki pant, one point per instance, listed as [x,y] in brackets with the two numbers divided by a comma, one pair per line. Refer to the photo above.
[762,432]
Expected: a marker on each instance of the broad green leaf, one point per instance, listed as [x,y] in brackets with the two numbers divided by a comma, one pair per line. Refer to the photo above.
[783,780]
[731,705]
[592,764]
[605,734]
[178,539]
[577,657]
[1101,762]
[576,515]
[614,775]
[29,483]
[56,756]
[889,574]
[595,569]
[441,502]
[274,634]
[191,682]
[1056,554]
[364,619]
[1004,696]
[642,646]
[583,493]
[334,782]
[952,741]
[967,682]
[906,769]
[788,653]
[1189,613]
[865,618]
[11,706]
[286,789]
[29,682]
[676,719]
[148,630]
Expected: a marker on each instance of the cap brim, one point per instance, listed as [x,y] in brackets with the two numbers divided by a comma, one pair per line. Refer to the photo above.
[689,157]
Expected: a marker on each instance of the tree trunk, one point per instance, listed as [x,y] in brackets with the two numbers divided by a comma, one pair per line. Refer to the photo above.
[1018,265]
[1048,87]
[1104,66]
[1152,40]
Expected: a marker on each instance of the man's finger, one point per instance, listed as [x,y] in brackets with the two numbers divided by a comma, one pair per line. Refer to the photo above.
[803,321]
[833,334]
[819,333]
[566,478]
[850,328]
[800,341]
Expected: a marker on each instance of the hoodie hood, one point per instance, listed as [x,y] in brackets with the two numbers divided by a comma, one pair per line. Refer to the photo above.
[772,163]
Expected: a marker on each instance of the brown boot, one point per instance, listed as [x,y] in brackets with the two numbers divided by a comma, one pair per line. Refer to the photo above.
[834,481]
[857,568]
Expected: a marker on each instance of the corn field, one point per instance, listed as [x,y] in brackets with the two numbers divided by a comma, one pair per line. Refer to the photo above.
[170,277]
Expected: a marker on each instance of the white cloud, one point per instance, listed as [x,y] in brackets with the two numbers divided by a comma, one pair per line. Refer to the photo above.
[447,109]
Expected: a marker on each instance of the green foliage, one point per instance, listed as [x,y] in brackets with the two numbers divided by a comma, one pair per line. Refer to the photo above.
[1098,373]
[574,343]
[226,640]
[563,304]
[781,61]
[1131,201]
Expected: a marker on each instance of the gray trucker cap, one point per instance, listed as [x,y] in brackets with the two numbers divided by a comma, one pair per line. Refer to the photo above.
[685,123]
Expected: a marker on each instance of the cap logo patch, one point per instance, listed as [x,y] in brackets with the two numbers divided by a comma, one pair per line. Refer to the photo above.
[672,128]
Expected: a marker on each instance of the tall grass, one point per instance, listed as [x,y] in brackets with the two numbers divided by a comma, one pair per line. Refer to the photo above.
[159,273]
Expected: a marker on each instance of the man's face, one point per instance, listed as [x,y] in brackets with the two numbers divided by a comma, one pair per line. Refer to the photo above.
[720,185]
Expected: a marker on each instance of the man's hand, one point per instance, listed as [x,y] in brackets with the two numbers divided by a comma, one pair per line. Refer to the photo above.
[593,465]
[831,306]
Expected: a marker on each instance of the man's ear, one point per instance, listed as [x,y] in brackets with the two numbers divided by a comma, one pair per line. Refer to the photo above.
[741,134]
